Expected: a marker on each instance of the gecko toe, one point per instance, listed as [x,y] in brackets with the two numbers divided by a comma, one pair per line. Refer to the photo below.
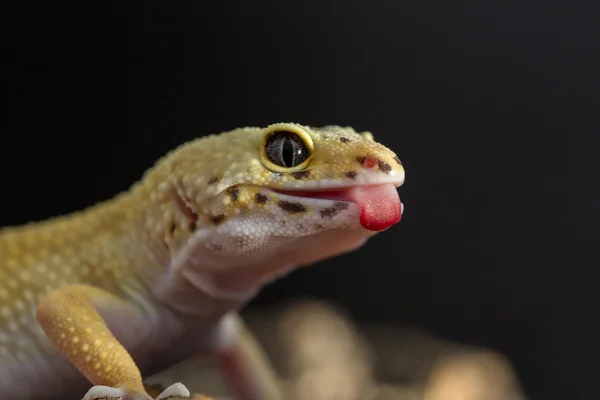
[104,393]
[100,392]
[174,392]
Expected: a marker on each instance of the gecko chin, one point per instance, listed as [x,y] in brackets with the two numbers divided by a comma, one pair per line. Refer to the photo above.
[233,265]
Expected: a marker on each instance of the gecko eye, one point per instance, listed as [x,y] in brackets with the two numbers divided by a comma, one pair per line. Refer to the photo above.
[286,149]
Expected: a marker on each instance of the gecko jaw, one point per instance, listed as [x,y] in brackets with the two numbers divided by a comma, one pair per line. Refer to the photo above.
[380,206]
[364,179]
[335,189]
[331,195]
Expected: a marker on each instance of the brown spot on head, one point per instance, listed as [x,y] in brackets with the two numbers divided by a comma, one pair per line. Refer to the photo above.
[192,226]
[233,192]
[260,198]
[384,167]
[213,180]
[301,174]
[172,227]
[351,174]
[292,208]
[344,139]
[217,219]
[397,160]
[361,159]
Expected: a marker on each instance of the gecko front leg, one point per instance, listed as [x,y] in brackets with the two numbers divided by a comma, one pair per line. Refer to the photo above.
[243,363]
[70,316]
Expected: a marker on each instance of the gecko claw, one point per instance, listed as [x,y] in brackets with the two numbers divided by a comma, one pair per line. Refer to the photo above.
[99,392]
[174,392]
[177,391]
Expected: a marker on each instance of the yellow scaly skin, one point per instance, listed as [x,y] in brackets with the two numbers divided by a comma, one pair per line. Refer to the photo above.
[155,275]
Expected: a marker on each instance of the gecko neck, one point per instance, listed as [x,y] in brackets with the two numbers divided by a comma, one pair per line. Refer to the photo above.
[202,284]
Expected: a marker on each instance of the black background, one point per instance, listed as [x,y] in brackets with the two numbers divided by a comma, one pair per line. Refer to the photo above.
[489,104]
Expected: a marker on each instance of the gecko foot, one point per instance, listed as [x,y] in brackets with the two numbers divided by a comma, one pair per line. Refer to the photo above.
[99,392]
[177,390]
[174,392]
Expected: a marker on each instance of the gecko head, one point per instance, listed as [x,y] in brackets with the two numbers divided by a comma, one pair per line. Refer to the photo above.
[288,192]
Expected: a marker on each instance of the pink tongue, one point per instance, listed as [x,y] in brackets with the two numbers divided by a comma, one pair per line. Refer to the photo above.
[380,204]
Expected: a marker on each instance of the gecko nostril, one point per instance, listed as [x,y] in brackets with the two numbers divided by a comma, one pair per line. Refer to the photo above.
[367,162]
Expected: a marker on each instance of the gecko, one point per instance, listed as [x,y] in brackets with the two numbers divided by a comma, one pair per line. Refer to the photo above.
[91,302]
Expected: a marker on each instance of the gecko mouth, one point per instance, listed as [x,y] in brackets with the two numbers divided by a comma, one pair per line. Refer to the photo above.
[333,195]
[380,204]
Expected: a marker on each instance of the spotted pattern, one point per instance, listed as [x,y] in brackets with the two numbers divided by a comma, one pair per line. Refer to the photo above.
[384,167]
[301,174]
[218,183]
[333,210]
[260,198]
[370,162]
[70,318]
[233,192]
[292,208]
[218,219]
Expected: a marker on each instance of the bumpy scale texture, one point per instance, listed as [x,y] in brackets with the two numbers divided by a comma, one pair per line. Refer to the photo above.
[112,253]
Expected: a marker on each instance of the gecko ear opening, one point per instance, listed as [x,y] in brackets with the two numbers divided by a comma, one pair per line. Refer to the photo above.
[286,148]
[184,206]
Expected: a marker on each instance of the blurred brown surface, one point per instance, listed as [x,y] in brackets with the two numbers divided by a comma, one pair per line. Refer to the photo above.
[321,355]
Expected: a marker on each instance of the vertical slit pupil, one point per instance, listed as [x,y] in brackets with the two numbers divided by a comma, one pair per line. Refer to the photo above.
[288,152]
